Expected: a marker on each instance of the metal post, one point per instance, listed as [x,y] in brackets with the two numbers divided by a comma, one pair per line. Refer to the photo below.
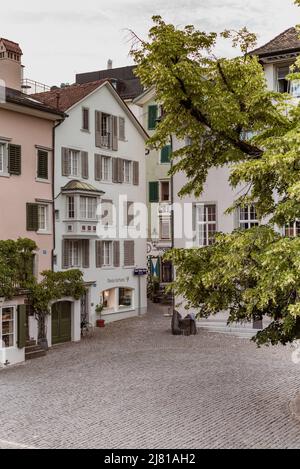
[140,300]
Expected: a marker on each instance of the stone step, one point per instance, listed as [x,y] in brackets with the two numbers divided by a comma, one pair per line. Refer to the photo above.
[224,329]
[32,348]
[30,343]
[35,354]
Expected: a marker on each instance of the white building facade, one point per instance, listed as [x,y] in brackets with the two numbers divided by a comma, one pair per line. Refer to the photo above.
[99,184]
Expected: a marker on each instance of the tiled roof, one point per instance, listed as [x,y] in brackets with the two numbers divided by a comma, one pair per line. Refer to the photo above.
[286,41]
[80,186]
[128,85]
[11,46]
[17,97]
[64,98]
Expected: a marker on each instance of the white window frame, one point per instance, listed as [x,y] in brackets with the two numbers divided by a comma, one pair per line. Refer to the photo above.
[14,327]
[293,227]
[106,171]
[74,253]
[45,209]
[127,171]
[3,158]
[245,217]
[164,219]
[204,240]
[74,155]
[107,253]
[160,191]
[89,211]
[69,198]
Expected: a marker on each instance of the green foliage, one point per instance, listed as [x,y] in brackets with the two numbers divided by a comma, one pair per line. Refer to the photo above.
[17,274]
[233,120]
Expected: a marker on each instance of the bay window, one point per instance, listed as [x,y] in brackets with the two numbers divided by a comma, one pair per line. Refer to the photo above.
[71,207]
[88,208]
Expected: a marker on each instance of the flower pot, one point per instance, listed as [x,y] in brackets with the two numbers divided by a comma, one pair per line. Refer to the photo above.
[100,323]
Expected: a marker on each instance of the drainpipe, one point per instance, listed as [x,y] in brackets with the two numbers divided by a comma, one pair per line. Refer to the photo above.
[53,191]
[172,218]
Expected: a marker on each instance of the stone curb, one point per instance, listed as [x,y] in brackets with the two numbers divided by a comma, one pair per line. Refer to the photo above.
[294,407]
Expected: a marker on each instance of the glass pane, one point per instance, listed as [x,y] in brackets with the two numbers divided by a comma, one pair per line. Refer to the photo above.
[211,213]
[125,297]
[7,314]
[200,213]
[8,340]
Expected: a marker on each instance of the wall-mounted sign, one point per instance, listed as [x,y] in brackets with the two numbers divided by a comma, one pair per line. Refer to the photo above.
[140,272]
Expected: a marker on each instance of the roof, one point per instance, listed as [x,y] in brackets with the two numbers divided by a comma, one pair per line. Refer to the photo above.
[286,41]
[17,97]
[76,185]
[64,98]
[11,46]
[128,85]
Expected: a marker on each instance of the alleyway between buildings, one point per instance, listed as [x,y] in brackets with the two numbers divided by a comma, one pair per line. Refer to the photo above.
[134,385]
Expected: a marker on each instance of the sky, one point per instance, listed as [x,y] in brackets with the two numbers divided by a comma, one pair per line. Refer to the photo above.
[64,37]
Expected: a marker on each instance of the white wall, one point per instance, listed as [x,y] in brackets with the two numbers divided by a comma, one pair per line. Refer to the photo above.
[69,135]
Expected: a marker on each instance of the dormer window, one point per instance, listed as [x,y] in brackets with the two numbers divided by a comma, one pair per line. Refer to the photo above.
[287,86]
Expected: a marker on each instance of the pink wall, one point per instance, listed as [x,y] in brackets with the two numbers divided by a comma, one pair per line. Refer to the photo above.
[16,191]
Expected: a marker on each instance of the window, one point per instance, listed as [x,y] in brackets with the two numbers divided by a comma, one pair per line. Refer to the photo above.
[42,218]
[129,257]
[71,207]
[88,208]
[165,191]
[7,327]
[125,298]
[42,164]
[165,155]
[85,119]
[74,163]
[3,163]
[127,172]
[292,229]
[165,228]
[107,253]
[122,128]
[152,116]
[206,224]
[106,168]
[74,253]
[247,217]
[106,131]
[282,82]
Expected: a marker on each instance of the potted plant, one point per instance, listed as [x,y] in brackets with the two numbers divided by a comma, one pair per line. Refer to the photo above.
[99,321]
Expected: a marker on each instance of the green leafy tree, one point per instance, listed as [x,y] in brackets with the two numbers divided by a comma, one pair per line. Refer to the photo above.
[17,276]
[233,120]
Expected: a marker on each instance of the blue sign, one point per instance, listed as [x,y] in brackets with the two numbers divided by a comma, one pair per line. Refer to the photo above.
[140,272]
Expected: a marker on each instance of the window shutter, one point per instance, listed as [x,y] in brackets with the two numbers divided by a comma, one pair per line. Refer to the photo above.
[32,217]
[115,143]
[21,327]
[84,165]
[42,166]
[129,253]
[65,162]
[136,173]
[65,254]
[116,253]
[153,191]
[98,129]
[122,128]
[115,167]
[98,167]
[85,243]
[165,154]
[152,117]
[99,254]
[14,159]
[120,170]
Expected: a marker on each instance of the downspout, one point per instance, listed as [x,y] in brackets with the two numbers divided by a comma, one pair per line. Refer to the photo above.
[53,191]
[172,218]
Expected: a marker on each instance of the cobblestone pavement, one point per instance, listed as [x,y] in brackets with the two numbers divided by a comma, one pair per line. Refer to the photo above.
[134,385]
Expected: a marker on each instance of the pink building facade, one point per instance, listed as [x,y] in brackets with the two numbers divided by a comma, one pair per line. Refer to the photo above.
[26,187]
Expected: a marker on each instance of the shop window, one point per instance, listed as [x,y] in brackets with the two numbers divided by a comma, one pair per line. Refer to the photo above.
[125,298]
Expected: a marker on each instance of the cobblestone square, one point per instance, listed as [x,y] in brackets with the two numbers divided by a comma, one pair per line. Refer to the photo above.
[134,385]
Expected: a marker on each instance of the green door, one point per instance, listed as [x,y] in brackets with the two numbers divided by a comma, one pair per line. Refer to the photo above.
[61,322]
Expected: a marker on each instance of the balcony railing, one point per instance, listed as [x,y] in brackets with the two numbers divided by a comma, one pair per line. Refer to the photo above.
[32,87]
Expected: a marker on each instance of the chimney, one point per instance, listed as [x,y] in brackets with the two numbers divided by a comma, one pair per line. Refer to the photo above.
[109,64]
[11,70]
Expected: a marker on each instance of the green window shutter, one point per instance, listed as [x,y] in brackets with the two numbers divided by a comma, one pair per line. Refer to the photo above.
[21,326]
[152,116]
[42,166]
[165,154]
[32,217]
[14,159]
[153,191]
